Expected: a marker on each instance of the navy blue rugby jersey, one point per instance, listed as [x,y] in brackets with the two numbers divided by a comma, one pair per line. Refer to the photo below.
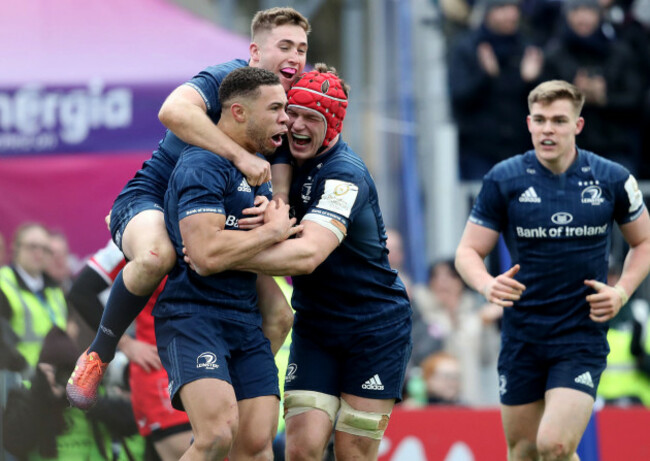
[354,289]
[206,183]
[557,227]
[155,172]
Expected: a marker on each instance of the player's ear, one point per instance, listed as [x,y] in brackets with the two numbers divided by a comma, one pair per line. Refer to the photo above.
[254,50]
[528,123]
[238,112]
[580,124]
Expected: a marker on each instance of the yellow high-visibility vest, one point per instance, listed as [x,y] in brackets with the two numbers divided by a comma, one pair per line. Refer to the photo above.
[32,316]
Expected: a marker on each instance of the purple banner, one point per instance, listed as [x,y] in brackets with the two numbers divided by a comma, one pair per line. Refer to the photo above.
[37,119]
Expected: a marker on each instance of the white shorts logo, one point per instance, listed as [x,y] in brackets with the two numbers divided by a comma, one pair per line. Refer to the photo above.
[207,360]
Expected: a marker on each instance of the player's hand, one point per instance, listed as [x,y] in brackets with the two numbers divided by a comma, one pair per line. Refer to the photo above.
[503,289]
[276,217]
[605,303]
[141,353]
[256,213]
[488,59]
[256,169]
[189,262]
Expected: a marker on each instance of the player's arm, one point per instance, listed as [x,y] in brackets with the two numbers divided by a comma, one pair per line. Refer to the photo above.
[298,256]
[607,301]
[475,244]
[281,180]
[211,248]
[185,114]
[84,296]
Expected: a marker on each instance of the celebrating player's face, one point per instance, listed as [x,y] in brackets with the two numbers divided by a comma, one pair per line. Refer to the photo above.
[268,120]
[553,128]
[283,51]
[306,132]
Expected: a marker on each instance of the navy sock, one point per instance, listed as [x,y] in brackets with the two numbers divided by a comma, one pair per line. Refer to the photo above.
[121,310]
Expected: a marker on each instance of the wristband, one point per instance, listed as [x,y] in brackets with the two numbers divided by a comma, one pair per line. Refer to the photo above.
[621,292]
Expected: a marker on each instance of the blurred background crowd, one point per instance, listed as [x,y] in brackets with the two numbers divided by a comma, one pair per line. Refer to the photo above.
[438,96]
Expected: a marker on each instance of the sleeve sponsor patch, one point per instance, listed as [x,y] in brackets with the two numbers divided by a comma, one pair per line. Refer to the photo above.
[634,195]
[338,197]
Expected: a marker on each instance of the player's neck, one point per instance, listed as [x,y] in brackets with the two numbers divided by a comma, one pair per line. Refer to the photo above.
[560,164]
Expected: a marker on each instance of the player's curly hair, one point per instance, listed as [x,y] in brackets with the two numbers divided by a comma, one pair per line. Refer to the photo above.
[245,82]
[266,20]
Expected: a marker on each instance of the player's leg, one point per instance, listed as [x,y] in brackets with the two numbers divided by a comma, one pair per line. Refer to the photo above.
[360,427]
[150,256]
[520,425]
[311,397]
[212,408]
[277,316]
[565,419]
[146,243]
[258,423]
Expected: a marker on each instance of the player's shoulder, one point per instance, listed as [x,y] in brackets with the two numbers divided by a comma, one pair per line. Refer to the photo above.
[219,71]
[512,167]
[344,161]
[196,158]
[602,168]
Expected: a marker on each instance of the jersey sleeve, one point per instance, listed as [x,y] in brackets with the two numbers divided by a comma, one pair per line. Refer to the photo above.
[490,207]
[201,189]
[207,85]
[629,200]
[338,199]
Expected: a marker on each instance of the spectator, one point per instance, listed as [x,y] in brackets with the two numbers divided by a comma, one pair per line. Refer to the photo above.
[59,268]
[30,301]
[456,322]
[588,54]
[38,424]
[442,377]
[490,73]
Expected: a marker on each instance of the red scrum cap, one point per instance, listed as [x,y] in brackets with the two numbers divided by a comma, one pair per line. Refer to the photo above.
[321,92]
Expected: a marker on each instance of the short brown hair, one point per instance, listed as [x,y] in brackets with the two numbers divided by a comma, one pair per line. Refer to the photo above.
[552,90]
[266,20]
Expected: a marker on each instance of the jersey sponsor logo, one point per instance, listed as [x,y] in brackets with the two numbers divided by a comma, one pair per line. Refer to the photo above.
[373,384]
[338,197]
[562,218]
[202,210]
[292,368]
[561,231]
[585,378]
[232,221]
[530,196]
[592,195]
[207,360]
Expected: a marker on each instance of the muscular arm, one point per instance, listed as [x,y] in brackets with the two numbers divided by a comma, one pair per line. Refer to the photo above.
[637,260]
[475,244]
[185,114]
[281,181]
[296,256]
[211,248]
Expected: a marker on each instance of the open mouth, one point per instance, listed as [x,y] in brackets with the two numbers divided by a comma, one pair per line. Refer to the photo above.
[288,72]
[300,139]
[276,139]
[548,142]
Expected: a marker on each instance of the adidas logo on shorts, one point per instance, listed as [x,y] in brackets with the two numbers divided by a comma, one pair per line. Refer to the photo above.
[373,384]
[585,379]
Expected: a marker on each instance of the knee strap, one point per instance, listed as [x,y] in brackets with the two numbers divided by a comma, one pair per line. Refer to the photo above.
[297,402]
[362,423]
